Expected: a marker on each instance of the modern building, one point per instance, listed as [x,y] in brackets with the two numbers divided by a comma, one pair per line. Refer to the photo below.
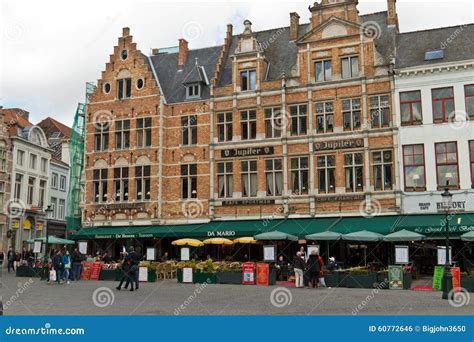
[434,88]
[5,174]
[29,178]
[293,128]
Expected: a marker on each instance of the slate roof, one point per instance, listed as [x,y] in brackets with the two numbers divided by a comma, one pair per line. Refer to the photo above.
[411,46]
[171,78]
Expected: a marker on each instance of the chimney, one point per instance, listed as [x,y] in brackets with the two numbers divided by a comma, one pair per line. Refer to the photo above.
[294,24]
[125,32]
[392,17]
[183,51]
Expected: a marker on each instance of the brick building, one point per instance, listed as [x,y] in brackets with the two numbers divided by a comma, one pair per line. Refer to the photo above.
[5,174]
[288,124]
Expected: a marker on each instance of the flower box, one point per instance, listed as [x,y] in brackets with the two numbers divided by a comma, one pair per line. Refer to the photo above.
[363,281]
[468,283]
[232,277]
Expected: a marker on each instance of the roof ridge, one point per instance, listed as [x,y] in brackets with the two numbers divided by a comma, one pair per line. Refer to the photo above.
[363,15]
[437,28]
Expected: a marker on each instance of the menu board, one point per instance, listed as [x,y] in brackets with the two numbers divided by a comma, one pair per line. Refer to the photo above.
[269,253]
[442,255]
[401,254]
[95,272]
[248,275]
[395,277]
[262,274]
[143,274]
[188,275]
[150,254]
[456,273]
[37,247]
[83,247]
[185,254]
[437,277]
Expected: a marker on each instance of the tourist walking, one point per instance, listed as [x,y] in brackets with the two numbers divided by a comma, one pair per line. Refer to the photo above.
[298,266]
[2,258]
[135,258]
[126,266]
[76,264]
[322,283]
[67,266]
[58,265]
[11,259]
[313,269]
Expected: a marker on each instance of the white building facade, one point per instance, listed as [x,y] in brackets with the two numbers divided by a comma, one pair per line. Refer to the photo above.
[58,191]
[435,116]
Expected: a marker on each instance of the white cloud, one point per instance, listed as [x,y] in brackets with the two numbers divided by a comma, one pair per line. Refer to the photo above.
[50,48]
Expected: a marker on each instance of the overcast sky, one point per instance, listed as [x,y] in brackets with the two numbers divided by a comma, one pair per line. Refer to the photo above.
[50,48]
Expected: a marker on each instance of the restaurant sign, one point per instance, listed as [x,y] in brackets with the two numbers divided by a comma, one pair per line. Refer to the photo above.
[248,202]
[340,198]
[123,236]
[221,233]
[441,229]
[247,152]
[338,144]
[424,204]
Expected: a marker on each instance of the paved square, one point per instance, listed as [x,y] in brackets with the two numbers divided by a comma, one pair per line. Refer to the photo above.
[31,296]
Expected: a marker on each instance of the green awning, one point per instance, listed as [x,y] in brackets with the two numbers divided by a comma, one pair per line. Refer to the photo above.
[303,227]
[404,235]
[118,232]
[468,236]
[324,236]
[52,240]
[434,225]
[275,235]
[378,224]
[362,235]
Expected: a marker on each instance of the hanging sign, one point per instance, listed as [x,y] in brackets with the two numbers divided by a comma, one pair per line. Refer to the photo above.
[442,255]
[37,247]
[401,254]
[395,277]
[456,273]
[437,277]
[269,253]
[262,274]
[248,275]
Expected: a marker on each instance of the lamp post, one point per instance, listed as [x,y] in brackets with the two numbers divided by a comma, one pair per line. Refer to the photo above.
[447,277]
[45,265]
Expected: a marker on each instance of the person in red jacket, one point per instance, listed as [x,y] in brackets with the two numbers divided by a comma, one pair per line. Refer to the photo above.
[322,283]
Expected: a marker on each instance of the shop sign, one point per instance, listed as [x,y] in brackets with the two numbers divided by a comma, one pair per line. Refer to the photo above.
[395,277]
[262,274]
[437,277]
[424,204]
[115,206]
[441,229]
[39,226]
[16,223]
[248,202]
[340,198]
[247,152]
[338,144]
[221,233]
[248,276]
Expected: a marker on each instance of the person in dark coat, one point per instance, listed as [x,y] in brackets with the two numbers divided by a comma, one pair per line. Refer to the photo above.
[135,257]
[313,269]
[126,269]
[58,266]
[76,259]
[11,260]
[298,266]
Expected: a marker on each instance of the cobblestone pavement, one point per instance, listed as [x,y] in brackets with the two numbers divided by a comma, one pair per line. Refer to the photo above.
[31,296]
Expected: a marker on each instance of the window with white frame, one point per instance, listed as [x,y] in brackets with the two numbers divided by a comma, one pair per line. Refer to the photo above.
[382,170]
[274,177]
[142,183]
[248,124]
[323,70]
[224,179]
[18,185]
[101,136]
[188,181]
[31,190]
[54,207]
[224,127]
[100,185]
[61,209]
[42,193]
[143,132]
[248,172]
[54,180]
[44,165]
[326,166]
[248,80]
[124,88]
[324,117]
[62,183]
[354,174]
[33,158]
[350,67]
[380,111]
[20,157]
[351,114]
[299,119]
[189,130]
[193,91]
[121,184]
[299,175]
[122,134]
[273,122]
[3,160]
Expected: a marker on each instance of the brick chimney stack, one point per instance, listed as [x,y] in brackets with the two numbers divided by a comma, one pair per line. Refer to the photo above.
[294,24]
[182,52]
[392,16]
[125,32]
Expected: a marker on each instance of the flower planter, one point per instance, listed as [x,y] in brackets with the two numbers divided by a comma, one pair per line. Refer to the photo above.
[468,283]
[119,274]
[331,279]
[27,271]
[382,280]
[201,278]
[363,281]
[229,277]
[179,275]
[152,276]
[108,275]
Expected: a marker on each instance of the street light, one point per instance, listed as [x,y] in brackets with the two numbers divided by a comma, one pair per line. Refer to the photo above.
[447,277]
[45,265]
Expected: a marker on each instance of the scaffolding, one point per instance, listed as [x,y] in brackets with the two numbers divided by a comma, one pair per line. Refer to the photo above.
[76,161]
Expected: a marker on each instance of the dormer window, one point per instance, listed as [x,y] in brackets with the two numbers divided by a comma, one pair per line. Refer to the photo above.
[248,80]
[193,91]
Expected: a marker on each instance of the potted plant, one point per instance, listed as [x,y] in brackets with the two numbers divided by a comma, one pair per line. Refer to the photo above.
[361,278]
[229,273]
[152,273]
[382,279]
[331,278]
[205,274]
